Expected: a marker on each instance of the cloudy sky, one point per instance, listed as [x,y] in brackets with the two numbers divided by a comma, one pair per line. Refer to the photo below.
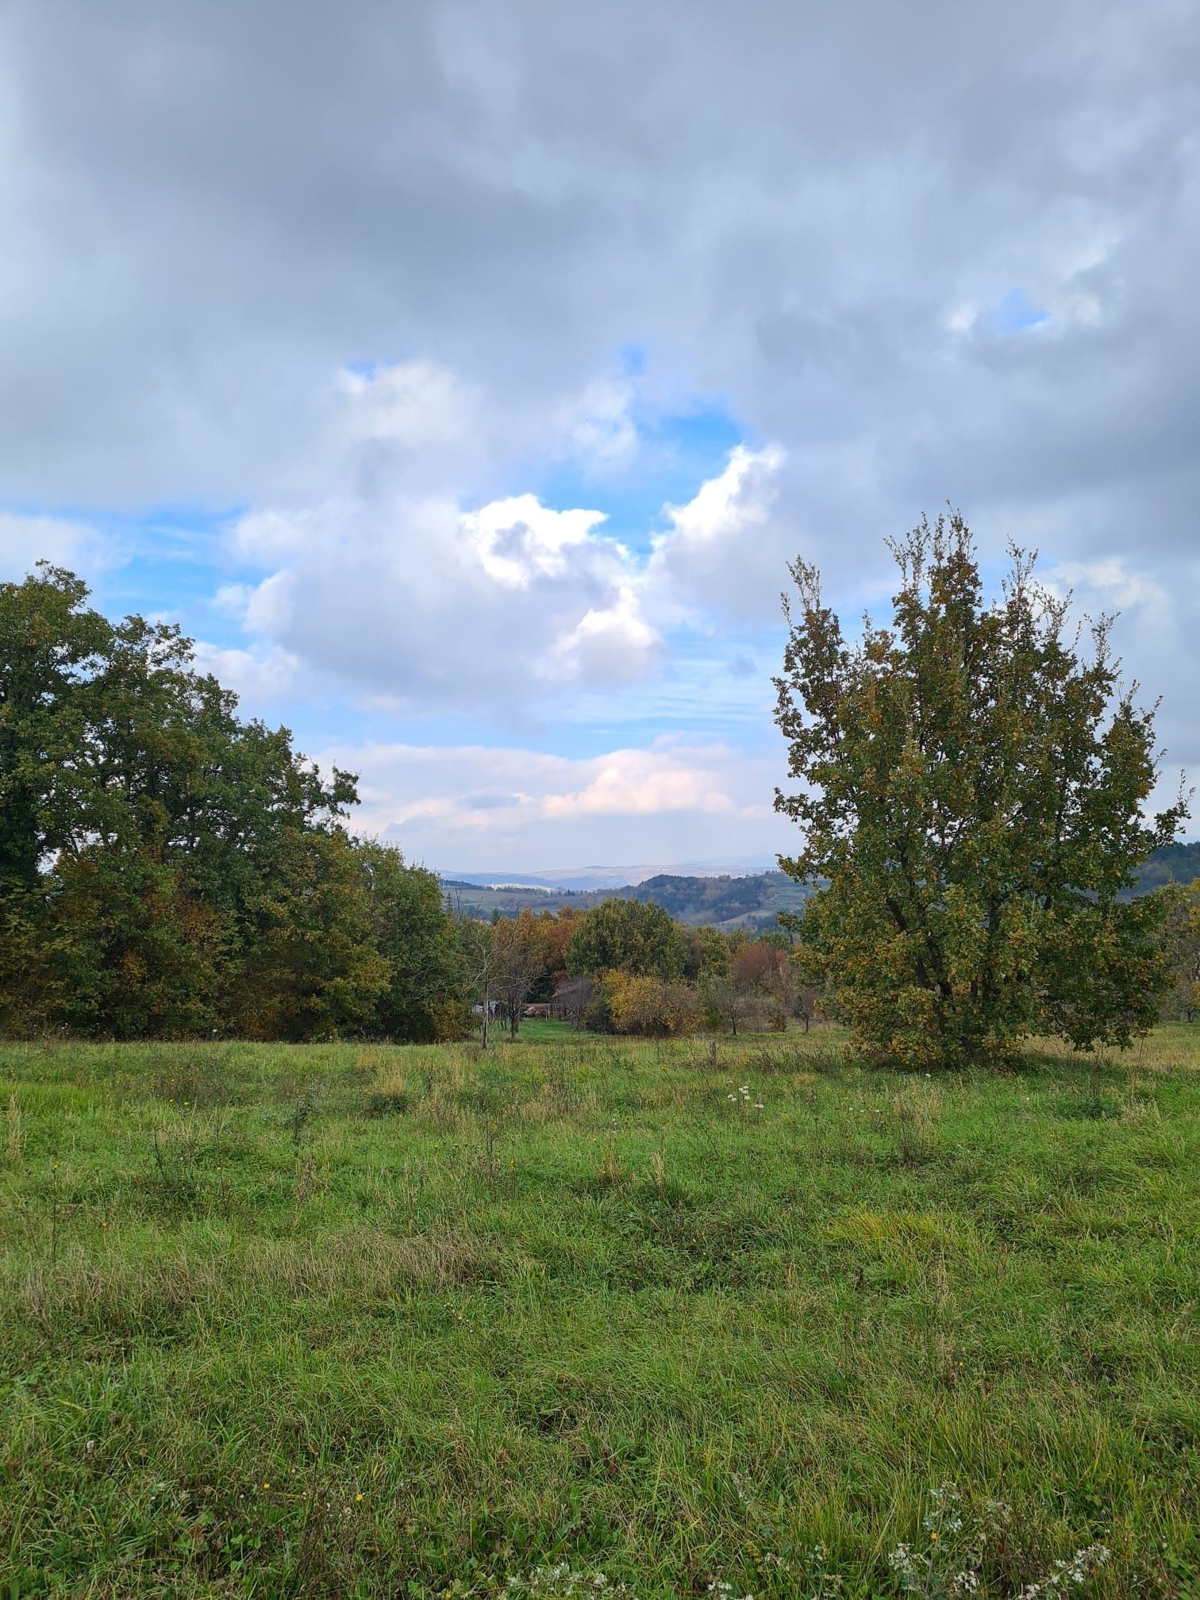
[461,376]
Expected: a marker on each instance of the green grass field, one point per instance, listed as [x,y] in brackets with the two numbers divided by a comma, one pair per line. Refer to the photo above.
[574,1314]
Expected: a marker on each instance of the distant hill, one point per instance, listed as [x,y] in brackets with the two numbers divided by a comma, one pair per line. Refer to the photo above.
[482,900]
[752,902]
[1174,863]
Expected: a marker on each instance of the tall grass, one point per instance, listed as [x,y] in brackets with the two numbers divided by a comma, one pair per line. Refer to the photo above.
[372,1321]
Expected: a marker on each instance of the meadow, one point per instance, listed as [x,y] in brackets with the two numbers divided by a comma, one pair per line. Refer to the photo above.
[735,1318]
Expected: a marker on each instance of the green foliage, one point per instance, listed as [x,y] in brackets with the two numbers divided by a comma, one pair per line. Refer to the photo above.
[369,1321]
[709,953]
[1181,942]
[972,794]
[167,869]
[640,940]
[310,971]
[48,647]
[704,901]
[131,950]
[423,997]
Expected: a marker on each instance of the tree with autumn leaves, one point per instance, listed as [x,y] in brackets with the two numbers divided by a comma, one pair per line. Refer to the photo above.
[971,792]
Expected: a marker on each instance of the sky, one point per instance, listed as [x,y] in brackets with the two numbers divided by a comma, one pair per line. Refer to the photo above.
[463,376]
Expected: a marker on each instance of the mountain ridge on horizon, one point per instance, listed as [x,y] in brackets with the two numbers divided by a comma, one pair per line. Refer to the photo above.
[734,897]
[587,878]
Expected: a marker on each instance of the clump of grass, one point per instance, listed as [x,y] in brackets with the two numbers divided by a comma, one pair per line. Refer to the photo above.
[387,1103]
[610,1174]
[193,1076]
[913,1121]
[828,1059]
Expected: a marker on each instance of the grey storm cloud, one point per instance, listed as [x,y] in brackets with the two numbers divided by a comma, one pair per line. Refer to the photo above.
[829,216]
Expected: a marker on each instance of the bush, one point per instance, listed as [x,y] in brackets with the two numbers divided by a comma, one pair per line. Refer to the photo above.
[651,1006]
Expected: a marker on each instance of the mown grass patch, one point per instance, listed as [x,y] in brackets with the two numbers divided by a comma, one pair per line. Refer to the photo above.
[374,1321]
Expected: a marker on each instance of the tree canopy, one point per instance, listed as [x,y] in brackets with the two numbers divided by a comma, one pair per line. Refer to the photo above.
[168,868]
[631,936]
[971,797]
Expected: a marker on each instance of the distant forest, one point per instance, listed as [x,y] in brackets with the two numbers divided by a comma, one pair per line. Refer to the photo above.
[1175,863]
[751,903]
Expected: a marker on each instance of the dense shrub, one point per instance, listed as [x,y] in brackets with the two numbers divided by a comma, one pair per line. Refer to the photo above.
[649,1006]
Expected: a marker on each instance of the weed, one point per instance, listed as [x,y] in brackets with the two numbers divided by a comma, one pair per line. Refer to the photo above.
[303,1111]
[562,1081]
[657,1168]
[306,1173]
[610,1174]
[14,1144]
[175,1166]
[561,1580]
[962,1546]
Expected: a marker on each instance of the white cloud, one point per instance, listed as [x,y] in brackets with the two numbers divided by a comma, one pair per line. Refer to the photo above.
[598,427]
[726,506]
[519,539]
[27,540]
[424,605]
[234,599]
[386,581]
[726,548]
[635,783]
[417,405]
[1107,585]
[256,679]
[613,645]
[473,804]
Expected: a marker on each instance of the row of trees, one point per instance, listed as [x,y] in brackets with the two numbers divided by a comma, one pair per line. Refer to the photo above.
[971,800]
[626,966]
[168,869]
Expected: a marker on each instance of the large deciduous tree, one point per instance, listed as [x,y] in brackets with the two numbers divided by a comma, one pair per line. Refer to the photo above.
[169,869]
[635,937]
[972,785]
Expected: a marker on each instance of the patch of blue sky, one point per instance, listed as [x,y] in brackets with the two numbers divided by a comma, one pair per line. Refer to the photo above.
[1015,314]
[163,561]
[704,696]
[172,563]
[675,454]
